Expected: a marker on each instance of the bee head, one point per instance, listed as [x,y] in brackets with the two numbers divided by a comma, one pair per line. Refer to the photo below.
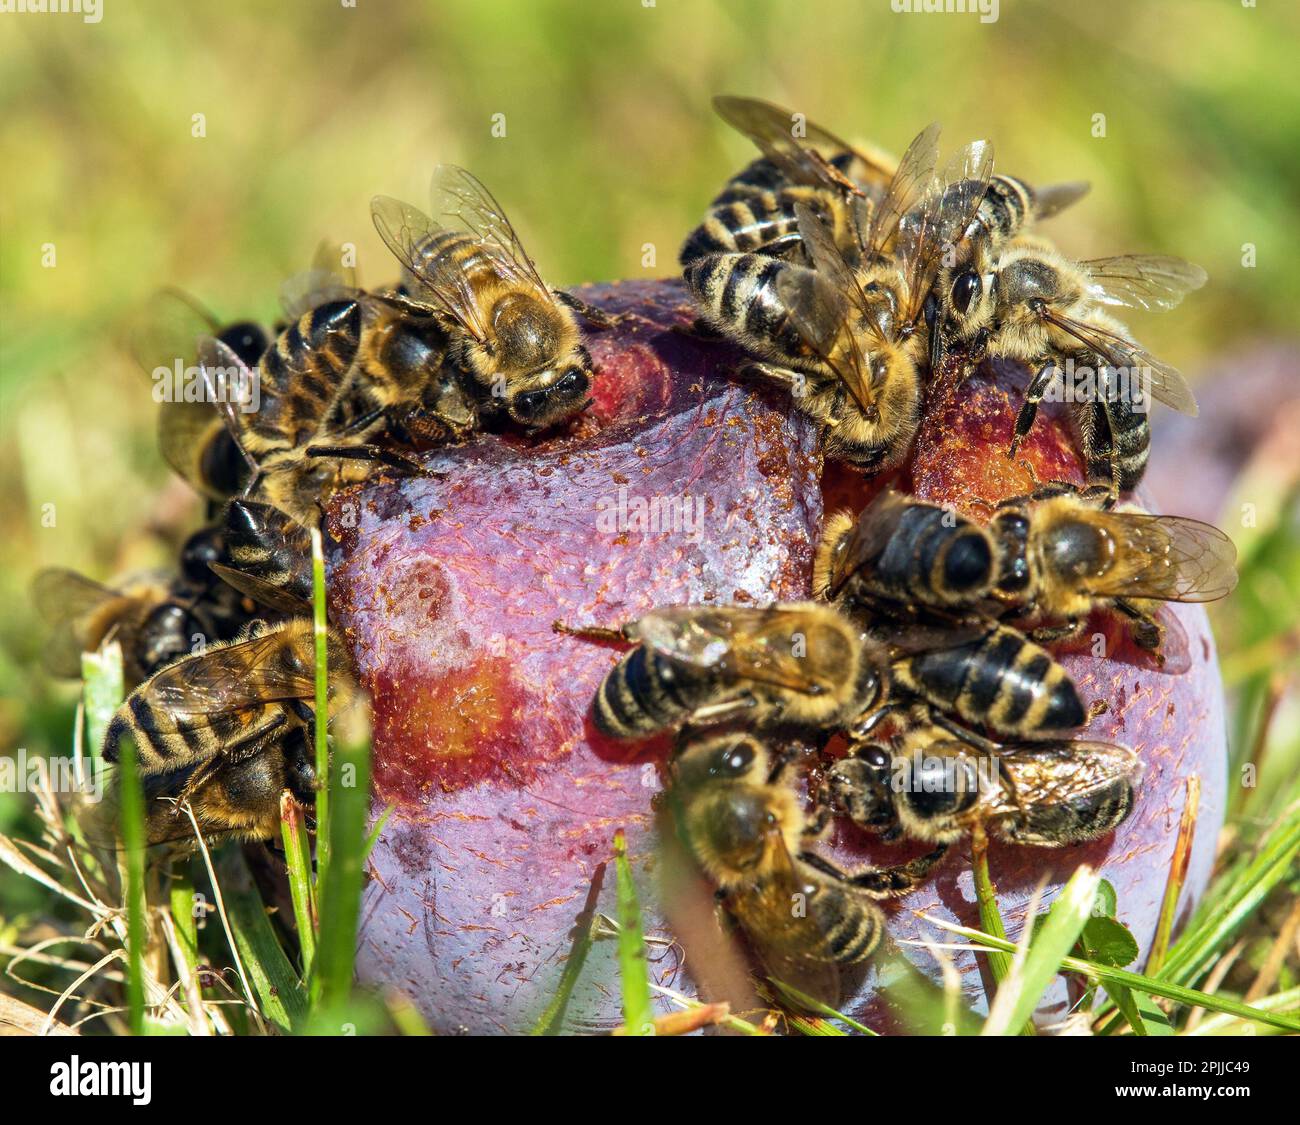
[553,394]
[165,636]
[860,785]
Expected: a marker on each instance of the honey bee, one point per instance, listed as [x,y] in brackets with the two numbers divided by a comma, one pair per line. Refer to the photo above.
[1047,313]
[516,341]
[226,732]
[1053,554]
[844,336]
[800,666]
[928,786]
[801,163]
[964,284]
[156,618]
[747,831]
[1061,557]
[193,438]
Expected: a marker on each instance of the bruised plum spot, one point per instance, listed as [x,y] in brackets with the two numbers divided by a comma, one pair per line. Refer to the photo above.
[450,731]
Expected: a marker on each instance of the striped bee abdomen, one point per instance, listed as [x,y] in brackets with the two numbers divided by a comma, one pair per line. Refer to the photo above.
[644,693]
[737,294]
[935,555]
[1000,680]
[270,546]
[301,373]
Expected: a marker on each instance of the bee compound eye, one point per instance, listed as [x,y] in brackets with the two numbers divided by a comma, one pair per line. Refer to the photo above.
[573,383]
[736,760]
[875,756]
[964,290]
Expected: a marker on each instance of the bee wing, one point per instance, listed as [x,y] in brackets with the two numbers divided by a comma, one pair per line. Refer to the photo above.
[1055,198]
[940,221]
[739,641]
[1143,281]
[226,380]
[871,533]
[1181,559]
[772,128]
[63,597]
[1165,382]
[231,678]
[819,302]
[328,279]
[461,202]
[406,231]
[165,332]
[263,593]
[1059,772]
[909,185]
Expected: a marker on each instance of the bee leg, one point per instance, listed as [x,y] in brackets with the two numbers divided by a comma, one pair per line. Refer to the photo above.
[1029,410]
[1147,631]
[590,632]
[964,733]
[881,882]
[792,381]
[592,315]
[718,713]
[390,457]
[1046,634]
[862,731]
[1043,492]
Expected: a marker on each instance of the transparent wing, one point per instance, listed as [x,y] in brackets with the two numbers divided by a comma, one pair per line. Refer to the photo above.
[1143,281]
[461,202]
[821,303]
[63,598]
[227,382]
[327,280]
[1174,558]
[908,187]
[772,129]
[1055,198]
[1165,382]
[941,220]
[1055,773]
[433,277]
[752,644]
[166,333]
[233,678]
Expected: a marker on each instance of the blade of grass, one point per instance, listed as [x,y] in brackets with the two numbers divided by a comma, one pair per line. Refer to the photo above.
[814,1005]
[552,1019]
[1232,900]
[339,894]
[103,690]
[1177,875]
[1152,986]
[297,853]
[132,825]
[321,635]
[987,896]
[1039,955]
[281,997]
[638,1017]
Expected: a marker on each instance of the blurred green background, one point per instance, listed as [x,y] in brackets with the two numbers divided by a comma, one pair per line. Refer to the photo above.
[311,107]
